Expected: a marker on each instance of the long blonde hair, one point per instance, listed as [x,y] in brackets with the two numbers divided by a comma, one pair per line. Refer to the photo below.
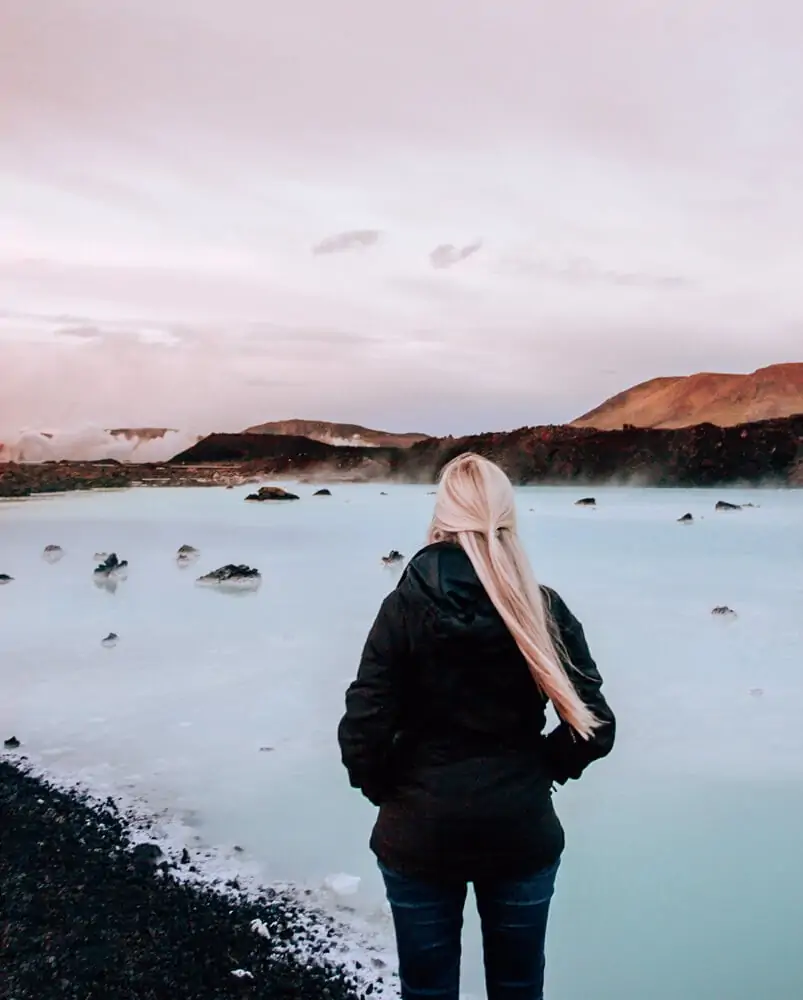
[475,507]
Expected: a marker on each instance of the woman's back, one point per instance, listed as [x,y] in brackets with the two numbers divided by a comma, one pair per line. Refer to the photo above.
[457,761]
[467,688]
[443,731]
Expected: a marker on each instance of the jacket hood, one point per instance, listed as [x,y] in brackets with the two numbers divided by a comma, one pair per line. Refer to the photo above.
[443,575]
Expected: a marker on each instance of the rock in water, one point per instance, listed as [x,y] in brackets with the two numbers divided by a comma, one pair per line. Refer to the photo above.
[394,556]
[322,493]
[186,555]
[110,640]
[586,502]
[724,505]
[723,611]
[12,743]
[232,577]
[686,519]
[52,553]
[112,568]
[271,493]
[5,578]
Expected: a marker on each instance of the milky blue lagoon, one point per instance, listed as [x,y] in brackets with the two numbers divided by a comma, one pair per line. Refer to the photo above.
[683,876]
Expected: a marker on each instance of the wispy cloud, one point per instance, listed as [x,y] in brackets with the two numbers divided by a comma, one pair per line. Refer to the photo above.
[79,333]
[584,271]
[445,255]
[354,239]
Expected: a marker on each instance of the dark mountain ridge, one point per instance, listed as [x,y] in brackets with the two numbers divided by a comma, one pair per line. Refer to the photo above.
[767,451]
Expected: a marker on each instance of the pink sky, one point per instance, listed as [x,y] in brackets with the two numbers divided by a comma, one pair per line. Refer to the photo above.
[440,215]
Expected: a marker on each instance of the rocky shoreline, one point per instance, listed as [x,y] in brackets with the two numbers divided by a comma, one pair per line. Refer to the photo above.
[29,479]
[86,914]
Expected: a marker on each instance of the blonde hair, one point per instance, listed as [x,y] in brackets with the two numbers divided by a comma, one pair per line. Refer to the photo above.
[475,507]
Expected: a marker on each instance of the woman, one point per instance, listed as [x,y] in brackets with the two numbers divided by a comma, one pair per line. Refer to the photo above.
[443,731]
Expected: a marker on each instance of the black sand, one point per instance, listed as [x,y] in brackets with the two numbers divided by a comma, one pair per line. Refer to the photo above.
[86,916]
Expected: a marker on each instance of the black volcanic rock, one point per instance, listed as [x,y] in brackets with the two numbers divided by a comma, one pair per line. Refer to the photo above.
[394,556]
[111,565]
[586,502]
[322,493]
[271,493]
[5,578]
[87,915]
[231,574]
[724,505]
[12,743]
[686,519]
[146,856]
[723,611]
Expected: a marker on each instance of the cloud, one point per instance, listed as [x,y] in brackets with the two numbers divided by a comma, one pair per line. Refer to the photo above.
[584,271]
[354,239]
[445,255]
[79,333]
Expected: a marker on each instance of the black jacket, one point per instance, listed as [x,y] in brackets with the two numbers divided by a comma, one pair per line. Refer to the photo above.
[443,728]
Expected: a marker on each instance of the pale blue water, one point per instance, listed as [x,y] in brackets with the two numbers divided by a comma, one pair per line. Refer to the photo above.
[683,876]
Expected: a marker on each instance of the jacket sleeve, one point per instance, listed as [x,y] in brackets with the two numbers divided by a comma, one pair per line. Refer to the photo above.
[367,730]
[567,753]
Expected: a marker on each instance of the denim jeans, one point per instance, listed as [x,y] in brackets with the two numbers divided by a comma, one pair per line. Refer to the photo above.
[428,918]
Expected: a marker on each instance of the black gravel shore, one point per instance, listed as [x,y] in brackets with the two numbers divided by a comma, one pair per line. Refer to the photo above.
[85,915]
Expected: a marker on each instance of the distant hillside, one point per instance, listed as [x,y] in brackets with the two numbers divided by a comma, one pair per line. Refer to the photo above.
[337,434]
[278,453]
[769,451]
[721,399]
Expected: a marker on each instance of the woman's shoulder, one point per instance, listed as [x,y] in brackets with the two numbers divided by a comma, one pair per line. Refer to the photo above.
[439,559]
[437,552]
[555,604]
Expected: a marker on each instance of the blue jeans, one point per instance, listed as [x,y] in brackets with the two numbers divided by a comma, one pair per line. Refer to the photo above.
[428,918]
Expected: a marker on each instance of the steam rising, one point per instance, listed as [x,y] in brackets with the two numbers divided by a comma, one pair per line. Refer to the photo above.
[91,444]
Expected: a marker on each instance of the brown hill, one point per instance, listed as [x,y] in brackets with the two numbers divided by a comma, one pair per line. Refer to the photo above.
[337,434]
[720,399]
